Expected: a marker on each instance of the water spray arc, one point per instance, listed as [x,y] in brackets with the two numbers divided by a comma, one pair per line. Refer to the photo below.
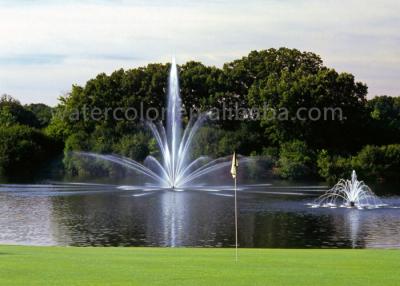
[174,170]
[349,193]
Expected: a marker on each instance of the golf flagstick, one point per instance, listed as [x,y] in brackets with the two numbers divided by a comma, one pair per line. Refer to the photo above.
[235,164]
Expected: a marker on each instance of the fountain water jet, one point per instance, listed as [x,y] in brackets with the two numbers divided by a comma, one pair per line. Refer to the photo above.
[349,193]
[174,170]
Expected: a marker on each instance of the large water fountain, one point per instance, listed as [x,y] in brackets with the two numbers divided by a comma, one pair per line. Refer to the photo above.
[174,170]
[349,193]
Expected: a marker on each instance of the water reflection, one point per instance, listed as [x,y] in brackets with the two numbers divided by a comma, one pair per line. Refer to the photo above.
[370,229]
[28,223]
[268,217]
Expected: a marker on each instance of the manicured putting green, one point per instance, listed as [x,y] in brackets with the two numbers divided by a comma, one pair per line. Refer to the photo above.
[22,265]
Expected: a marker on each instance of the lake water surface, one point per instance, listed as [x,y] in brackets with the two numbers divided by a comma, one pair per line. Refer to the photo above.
[269,216]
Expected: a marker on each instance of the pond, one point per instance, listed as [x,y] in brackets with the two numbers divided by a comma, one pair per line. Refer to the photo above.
[273,215]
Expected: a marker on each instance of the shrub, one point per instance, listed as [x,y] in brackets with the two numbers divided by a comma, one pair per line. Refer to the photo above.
[372,162]
[77,142]
[295,160]
[379,163]
[332,168]
[136,147]
[23,149]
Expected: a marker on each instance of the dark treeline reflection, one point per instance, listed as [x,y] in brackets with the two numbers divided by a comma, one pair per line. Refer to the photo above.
[207,219]
[166,218]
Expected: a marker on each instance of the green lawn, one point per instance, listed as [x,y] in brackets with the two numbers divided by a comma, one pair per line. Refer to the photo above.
[20,265]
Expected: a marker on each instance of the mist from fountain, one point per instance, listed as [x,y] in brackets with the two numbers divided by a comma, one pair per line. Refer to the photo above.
[174,170]
[349,193]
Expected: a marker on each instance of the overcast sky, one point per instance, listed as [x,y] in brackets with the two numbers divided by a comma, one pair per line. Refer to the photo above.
[46,46]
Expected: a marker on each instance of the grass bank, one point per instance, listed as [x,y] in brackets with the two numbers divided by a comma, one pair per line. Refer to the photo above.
[21,265]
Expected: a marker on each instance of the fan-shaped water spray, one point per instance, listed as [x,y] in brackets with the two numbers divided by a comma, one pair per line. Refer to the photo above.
[349,193]
[175,170]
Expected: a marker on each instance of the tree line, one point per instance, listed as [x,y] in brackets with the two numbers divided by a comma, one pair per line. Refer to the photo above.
[365,138]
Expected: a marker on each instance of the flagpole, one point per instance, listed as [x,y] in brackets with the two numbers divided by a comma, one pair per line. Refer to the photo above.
[235,164]
[236,223]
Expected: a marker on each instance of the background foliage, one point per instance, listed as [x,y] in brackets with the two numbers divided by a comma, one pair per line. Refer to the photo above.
[366,138]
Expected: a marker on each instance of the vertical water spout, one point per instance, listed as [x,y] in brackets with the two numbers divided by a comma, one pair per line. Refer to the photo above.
[353,177]
[174,121]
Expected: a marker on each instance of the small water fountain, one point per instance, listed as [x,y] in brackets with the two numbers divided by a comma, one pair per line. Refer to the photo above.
[175,170]
[349,193]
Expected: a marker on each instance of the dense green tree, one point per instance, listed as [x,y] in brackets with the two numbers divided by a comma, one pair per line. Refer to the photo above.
[378,163]
[385,120]
[201,86]
[333,167]
[42,112]
[12,112]
[59,127]
[135,146]
[23,149]
[302,83]
[372,162]
[295,161]
[6,117]
[279,78]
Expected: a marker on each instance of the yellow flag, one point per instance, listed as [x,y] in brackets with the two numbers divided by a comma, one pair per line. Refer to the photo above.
[235,164]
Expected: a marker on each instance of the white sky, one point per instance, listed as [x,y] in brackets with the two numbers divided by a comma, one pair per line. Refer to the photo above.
[46,46]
